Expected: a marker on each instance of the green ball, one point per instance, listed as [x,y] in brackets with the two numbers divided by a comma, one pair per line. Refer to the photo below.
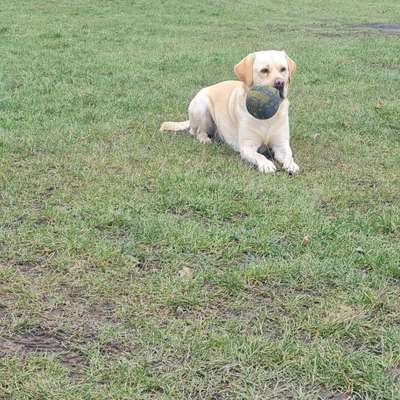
[262,102]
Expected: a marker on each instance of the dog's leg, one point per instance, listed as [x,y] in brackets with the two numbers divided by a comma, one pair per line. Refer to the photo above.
[283,154]
[201,123]
[280,144]
[248,151]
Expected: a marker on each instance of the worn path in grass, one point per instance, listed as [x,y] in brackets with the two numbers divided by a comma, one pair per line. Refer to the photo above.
[100,212]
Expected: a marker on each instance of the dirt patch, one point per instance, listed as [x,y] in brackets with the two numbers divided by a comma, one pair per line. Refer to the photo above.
[146,265]
[40,341]
[183,211]
[102,313]
[322,392]
[365,183]
[61,333]
[345,31]
[6,302]
[379,28]
[326,395]
[30,269]
[218,310]
[84,325]
[95,318]
[13,224]
[44,221]
[334,396]
[389,67]
[116,348]
[394,372]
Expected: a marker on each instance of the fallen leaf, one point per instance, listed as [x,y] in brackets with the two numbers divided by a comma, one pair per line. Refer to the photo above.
[186,272]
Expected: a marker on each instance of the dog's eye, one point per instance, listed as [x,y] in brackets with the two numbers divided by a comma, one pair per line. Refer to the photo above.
[283,69]
[265,71]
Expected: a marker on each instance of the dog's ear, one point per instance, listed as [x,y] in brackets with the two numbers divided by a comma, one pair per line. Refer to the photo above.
[244,70]
[291,66]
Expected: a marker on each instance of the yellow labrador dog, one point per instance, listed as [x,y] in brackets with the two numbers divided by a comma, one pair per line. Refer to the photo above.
[221,110]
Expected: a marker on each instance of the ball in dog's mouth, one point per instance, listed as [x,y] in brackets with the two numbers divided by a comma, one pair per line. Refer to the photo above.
[263,102]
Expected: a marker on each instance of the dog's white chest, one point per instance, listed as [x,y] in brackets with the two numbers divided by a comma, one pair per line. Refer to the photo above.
[273,127]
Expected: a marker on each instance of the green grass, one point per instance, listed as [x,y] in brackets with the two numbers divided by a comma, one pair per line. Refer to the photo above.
[100,212]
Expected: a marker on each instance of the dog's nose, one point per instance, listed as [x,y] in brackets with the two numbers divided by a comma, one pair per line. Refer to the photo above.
[279,83]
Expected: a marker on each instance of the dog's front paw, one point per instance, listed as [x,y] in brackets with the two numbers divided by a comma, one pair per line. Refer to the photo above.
[204,139]
[291,167]
[266,166]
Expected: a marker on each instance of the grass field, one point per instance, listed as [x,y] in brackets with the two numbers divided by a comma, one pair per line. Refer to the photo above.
[101,213]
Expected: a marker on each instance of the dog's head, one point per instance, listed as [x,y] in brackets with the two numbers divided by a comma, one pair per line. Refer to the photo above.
[271,68]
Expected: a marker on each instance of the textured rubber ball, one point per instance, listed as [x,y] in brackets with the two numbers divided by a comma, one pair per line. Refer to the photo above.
[262,102]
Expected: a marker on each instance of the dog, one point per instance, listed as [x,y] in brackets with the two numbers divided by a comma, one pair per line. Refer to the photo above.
[221,110]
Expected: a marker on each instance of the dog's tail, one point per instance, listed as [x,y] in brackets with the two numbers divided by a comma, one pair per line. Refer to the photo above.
[175,126]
